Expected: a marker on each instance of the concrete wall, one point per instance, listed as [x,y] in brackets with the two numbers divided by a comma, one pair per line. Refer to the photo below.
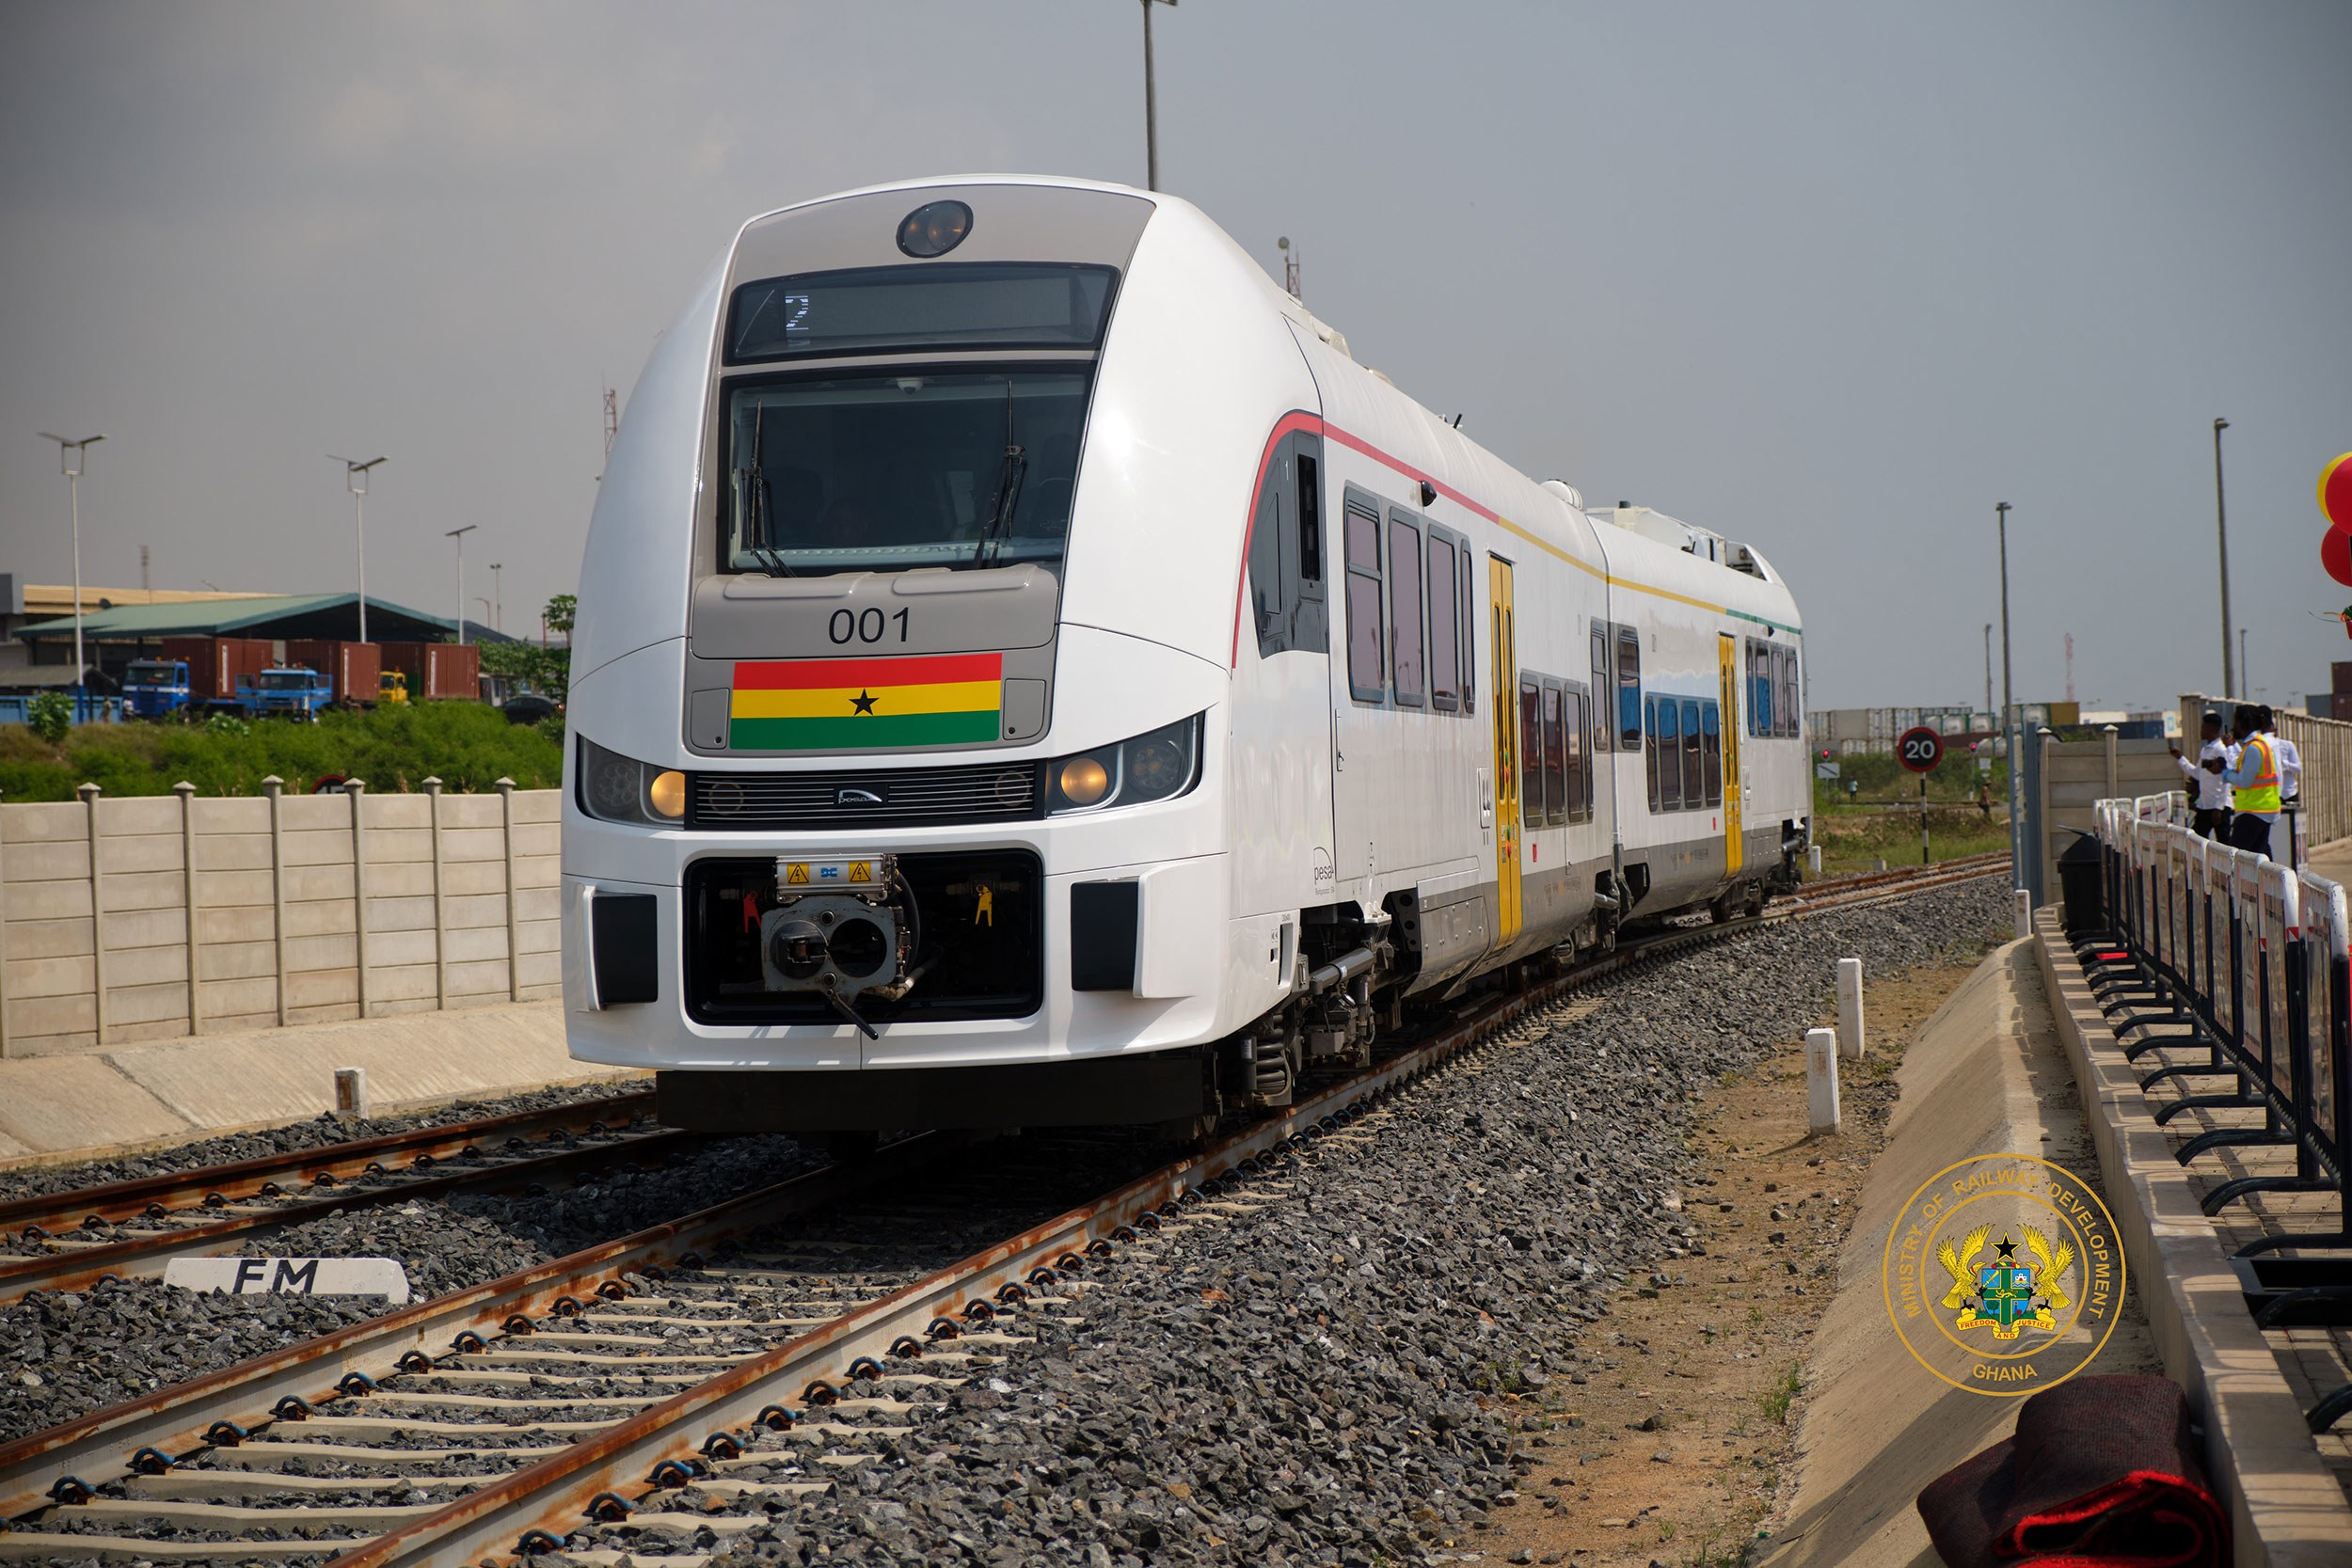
[2325,746]
[306,909]
[2070,776]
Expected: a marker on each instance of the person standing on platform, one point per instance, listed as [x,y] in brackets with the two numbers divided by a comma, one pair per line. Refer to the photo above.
[2208,791]
[2254,783]
[2290,783]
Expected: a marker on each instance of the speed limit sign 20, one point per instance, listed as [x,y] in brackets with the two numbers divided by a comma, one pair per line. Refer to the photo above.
[1919,749]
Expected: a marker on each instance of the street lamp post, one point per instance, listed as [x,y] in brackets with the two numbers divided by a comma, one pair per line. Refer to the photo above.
[1151,103]
[2008,705]
[1988,669]
[2221,527]
[71,467]
[498,596]
[459,534]
[356,481]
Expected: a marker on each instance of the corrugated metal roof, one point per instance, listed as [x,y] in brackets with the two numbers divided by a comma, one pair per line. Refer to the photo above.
[220,617]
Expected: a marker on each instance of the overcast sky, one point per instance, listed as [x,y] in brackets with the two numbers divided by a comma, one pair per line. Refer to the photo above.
[1831,278]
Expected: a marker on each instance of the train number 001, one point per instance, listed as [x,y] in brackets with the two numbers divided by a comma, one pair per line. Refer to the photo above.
[869,625]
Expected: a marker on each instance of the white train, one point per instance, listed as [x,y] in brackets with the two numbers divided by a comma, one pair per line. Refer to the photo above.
[1027,673]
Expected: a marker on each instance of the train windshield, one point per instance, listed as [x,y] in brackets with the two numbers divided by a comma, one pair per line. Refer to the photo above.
[889,472]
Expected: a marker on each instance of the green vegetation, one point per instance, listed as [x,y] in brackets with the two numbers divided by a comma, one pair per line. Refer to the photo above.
[49,714]
[466,745]
[1775,1401]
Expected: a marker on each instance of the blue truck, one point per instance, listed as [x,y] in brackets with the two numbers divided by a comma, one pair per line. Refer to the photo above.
[155,688]
[285,693]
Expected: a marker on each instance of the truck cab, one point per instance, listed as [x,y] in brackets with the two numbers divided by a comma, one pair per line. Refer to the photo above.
[391,688]
[287,692]
[155,688]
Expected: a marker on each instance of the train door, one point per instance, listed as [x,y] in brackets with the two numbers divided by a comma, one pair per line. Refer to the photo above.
[1727,657]
[1282,709]
[1504,683]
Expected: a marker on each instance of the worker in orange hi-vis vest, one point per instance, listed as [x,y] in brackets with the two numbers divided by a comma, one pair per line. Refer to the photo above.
[2253,781]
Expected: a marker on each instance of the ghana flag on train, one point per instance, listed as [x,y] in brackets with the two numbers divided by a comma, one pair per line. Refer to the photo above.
[809,704]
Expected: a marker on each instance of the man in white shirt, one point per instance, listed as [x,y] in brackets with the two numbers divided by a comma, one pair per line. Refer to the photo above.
[2209,790]
[2289,784]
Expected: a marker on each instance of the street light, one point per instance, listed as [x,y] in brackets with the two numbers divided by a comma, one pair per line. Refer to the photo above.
[1151,103]
[2009,704]
[71,467]
[459,534]
[2221,527]
[356,481]
[498,596]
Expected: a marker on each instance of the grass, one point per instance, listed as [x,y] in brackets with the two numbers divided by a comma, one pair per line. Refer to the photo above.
[468,745]
[1852,838]
[1774,1401]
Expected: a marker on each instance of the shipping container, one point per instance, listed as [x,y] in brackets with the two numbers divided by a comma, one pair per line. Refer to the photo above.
[437,671]
[218,664]
[351,667]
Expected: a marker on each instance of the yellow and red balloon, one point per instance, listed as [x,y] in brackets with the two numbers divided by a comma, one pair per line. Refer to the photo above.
[2335,503]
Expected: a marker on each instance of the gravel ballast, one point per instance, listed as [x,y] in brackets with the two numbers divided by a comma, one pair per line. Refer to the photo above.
[1312,1383]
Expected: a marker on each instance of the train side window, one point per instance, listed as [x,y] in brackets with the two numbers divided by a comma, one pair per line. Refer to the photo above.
[1693,764]
[1601,727]
[1711,751]
[1580,767]
[1555,757]
[1651,756]
[1445,625]
[1286,551]
[1531,750]
[1793,708]
[1630,686]
[1310,512]
[1367,660]
[1669,755]
[1411,669]
[1759,689]
[1470,643]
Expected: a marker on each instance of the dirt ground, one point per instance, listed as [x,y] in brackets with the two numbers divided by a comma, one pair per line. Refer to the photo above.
[1667,1442]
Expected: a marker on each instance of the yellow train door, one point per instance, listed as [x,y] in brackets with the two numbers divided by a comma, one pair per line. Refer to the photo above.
[1503,685]
[1727,651]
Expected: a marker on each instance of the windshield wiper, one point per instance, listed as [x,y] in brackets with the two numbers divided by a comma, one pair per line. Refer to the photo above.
[1007,490]
[761,511]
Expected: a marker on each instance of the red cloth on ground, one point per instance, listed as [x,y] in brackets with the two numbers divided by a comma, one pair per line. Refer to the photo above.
[2103,1472]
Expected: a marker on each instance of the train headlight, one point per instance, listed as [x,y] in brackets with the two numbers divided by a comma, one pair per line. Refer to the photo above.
[1157,766]
[622,789]
[1082,780]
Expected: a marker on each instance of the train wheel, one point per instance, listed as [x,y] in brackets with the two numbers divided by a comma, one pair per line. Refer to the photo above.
[1720,910]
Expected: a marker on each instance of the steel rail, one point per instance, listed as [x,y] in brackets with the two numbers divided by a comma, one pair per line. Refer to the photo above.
[146,1254]
[500,1517]
[241,1179]
[176,1418]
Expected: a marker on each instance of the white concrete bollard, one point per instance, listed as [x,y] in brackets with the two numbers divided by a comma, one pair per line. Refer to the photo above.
[1820,1078]
[1813,863]
[351,1093]
[1850,1039]
[2025,914]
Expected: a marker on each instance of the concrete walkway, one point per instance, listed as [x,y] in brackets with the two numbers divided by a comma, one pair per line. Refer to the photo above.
[54,1109]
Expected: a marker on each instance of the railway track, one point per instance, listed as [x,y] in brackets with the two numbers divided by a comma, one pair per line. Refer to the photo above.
[627,1382]
[133,1228]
